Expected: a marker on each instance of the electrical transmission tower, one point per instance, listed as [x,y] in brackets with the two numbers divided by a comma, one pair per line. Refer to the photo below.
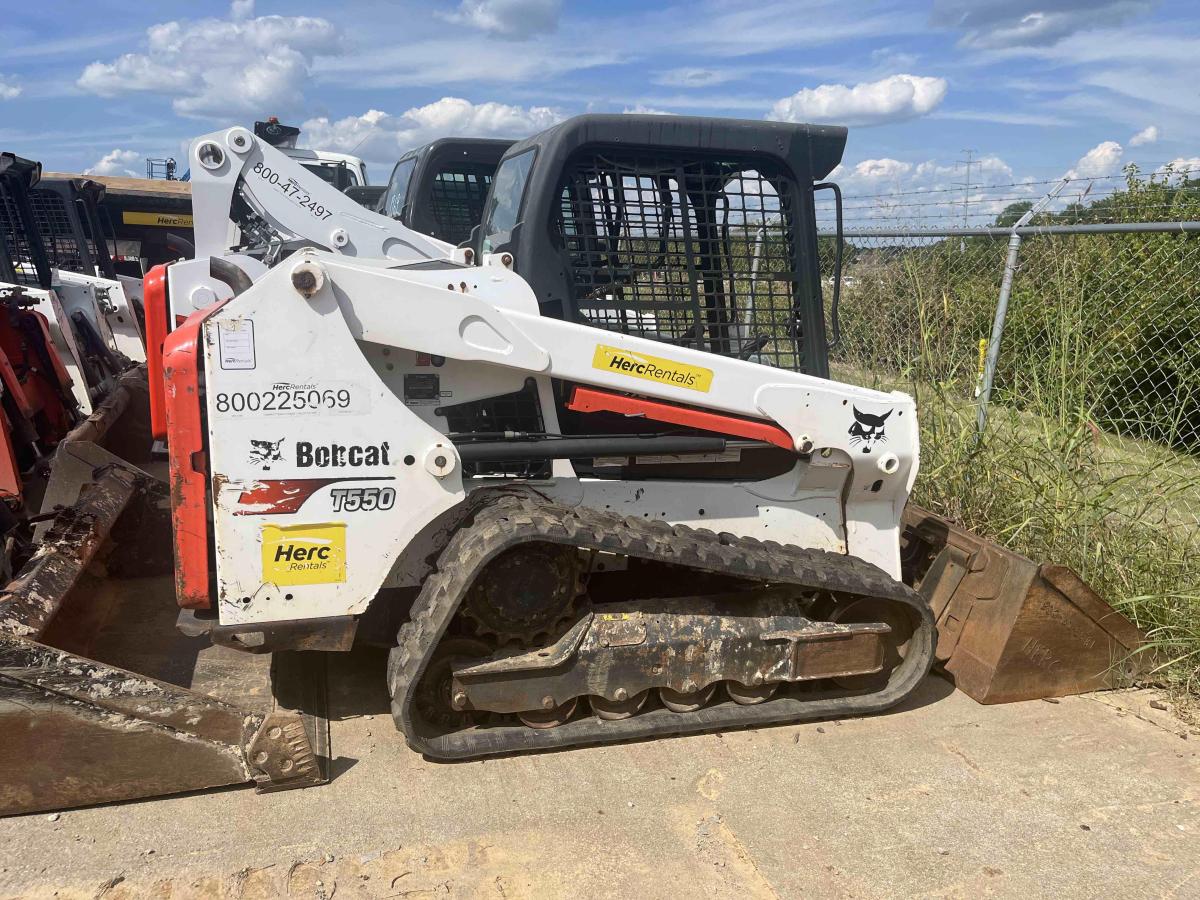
[965,184]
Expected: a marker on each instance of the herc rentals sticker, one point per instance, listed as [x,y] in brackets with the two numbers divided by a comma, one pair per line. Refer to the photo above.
[304,554]
[652,368]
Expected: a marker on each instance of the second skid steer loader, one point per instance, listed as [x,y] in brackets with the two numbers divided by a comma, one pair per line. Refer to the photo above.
[441,189]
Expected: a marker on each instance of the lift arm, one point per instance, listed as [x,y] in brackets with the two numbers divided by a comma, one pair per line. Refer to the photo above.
[296,204]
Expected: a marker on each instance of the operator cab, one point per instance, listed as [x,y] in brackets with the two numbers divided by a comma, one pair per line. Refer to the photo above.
[697,232]
[440,189]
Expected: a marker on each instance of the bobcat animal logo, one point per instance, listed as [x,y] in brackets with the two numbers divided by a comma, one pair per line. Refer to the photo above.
[263,453]
[868,430]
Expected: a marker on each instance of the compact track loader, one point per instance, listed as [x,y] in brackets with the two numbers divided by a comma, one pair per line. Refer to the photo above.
[441,189]
[586,475]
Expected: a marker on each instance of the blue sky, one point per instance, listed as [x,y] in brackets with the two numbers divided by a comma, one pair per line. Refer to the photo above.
[1036,87]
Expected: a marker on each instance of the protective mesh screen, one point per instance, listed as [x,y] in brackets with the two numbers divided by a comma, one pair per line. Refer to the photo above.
[102,245]
[53,221]
[696,252]
[16,240]
[458,197]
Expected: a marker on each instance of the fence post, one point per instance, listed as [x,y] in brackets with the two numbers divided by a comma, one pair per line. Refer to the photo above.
[1010,268]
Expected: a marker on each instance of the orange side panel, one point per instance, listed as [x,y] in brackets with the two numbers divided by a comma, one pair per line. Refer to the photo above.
[12,344]
[182,361]
[584,399]
[60,371]
[154,300]
[10,472]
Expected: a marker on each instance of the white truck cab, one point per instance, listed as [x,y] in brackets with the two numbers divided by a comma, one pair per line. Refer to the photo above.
[339,169]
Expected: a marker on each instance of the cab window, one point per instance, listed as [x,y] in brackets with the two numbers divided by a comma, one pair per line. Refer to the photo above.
[397,189]
[504,203]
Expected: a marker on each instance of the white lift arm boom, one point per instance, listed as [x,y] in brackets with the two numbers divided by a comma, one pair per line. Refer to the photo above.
[296,204]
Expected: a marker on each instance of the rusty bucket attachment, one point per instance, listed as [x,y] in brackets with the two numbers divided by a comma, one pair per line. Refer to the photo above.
[101,697]
[1011,629]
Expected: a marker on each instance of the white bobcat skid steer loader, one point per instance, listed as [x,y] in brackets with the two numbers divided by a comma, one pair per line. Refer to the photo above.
[676,540]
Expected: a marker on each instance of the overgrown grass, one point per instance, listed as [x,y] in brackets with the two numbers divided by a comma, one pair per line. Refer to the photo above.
[1082,463]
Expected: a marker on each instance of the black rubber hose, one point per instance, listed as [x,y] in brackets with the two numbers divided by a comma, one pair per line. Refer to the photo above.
[227,273]
[567,448]
[181,245]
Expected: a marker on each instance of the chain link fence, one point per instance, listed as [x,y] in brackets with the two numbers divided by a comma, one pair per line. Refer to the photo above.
[1089,454]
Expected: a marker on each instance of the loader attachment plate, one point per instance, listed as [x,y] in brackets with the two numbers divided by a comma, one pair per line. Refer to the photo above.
[1011,629]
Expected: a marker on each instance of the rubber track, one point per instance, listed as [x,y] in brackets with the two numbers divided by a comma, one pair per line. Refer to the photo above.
[510,520]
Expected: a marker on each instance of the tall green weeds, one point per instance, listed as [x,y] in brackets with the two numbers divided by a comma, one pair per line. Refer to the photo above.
[1089,458]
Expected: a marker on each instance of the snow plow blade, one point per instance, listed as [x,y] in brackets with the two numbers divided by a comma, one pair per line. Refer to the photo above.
[101,697]
[1011,629]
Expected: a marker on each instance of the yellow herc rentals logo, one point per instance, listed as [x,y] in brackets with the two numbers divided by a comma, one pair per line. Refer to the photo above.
[164,220]
[304,554]
[652,368]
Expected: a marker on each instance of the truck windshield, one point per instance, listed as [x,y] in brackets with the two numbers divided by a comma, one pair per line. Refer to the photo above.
[340,175]
[504,204]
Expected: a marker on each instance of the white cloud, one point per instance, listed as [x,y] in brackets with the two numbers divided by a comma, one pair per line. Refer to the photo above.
[882,168]
[1038,120]
[989,169]
[992,24]
[1103,159]
[115,162]
[639,109]
[221,68]
[381,137]
[894,193]
[890,99]
[9,89]
[1147,135]
[509,18]
[693,77]
[240,10]
[1181,167]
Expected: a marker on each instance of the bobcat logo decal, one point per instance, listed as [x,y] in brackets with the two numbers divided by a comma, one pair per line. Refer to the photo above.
[263,453]
[868,430]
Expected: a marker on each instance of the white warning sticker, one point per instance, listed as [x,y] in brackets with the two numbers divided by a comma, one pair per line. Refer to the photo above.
[235,342]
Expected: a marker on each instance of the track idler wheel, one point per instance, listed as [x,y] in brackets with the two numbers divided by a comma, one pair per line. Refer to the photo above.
[748,696]
[621,708]
[434,701]
[549,718]
[690,701]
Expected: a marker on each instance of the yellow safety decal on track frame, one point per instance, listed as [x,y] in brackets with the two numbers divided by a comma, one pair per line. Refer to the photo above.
[652,368]
[304,554]
[166,220]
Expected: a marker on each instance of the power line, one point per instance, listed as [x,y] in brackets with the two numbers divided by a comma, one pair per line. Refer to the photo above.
[966,184]
[1020,184]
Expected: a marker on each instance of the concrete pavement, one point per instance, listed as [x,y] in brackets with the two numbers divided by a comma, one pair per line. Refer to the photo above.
[1092,796]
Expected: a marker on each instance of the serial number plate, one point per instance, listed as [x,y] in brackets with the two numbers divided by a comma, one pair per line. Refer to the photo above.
[337,397]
